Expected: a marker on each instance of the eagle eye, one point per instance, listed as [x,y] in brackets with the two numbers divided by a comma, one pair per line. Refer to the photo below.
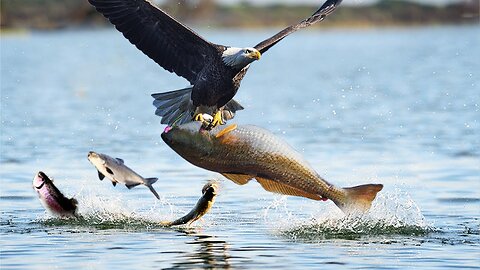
[248,51]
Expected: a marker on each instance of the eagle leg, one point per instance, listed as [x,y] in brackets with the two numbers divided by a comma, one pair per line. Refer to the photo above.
[206,120]
[217,120]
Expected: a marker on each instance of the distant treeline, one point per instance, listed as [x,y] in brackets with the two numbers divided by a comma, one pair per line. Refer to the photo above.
[54,14]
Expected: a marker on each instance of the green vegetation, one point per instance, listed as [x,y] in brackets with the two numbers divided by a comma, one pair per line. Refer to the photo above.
[53,14]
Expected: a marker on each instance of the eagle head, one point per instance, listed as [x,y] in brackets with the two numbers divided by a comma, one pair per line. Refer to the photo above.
[240,57]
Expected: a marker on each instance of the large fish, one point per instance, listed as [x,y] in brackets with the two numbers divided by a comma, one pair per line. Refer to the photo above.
[204,204]
[242,153]
[115,170]
[52,199]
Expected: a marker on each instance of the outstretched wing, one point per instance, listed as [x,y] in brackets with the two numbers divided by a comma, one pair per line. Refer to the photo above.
[327,8]
[172,45]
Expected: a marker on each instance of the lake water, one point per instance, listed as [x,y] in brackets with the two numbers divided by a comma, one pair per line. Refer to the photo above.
[394,106]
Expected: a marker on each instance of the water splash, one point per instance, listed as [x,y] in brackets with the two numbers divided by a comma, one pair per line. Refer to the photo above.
[391,214]
[114,212]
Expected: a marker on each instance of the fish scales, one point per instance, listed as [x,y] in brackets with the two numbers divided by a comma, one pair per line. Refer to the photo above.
[255,153]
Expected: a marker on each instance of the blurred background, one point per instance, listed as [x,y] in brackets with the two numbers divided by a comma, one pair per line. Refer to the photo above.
[53,14]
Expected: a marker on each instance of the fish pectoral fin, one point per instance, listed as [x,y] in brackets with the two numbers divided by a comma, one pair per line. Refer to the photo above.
[239,179]
[226,130]
[120,160]
[132,185]
[275,187]
[114,183]
[100,175]
[109,171]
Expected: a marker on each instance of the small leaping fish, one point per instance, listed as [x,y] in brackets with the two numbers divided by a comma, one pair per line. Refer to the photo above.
[204,204]
[115,170]
[52,199]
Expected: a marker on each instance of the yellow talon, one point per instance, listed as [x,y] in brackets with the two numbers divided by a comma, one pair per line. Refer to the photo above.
[199,117]
[208,121]
[217,120]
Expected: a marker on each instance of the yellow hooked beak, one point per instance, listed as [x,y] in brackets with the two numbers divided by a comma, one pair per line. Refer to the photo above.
[255,55]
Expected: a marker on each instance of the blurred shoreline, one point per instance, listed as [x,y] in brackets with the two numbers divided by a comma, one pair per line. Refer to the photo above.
[24,15]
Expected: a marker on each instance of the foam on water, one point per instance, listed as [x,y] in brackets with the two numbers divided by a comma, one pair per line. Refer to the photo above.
[392,213]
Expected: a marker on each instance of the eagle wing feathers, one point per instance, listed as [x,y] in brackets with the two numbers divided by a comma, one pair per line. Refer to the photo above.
[327,8]
[172,45]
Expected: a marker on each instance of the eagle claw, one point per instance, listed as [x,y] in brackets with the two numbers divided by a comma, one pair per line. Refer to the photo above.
[209,122]
[217,119]
[199,117]
[205,119]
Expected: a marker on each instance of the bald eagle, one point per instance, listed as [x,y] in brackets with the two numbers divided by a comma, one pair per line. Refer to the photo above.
[214,71]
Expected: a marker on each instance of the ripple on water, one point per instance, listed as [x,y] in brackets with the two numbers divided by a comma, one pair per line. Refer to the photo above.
[459,200]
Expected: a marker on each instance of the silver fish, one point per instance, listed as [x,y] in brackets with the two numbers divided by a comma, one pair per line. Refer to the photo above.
[204,204]
[52,199]
[115,170]
[242,153]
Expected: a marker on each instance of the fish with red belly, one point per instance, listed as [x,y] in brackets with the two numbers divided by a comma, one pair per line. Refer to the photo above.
[52,199]
[242,153]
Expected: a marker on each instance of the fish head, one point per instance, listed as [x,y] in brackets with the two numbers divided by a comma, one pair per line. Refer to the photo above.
[189,140]
[210,188]
[40,180]
[96,159]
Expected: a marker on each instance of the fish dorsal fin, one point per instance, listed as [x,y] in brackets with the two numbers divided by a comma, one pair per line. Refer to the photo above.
[100,175]
[132,185]
[275,187]
[109,171]
[226,130]
[239,179]
[120,160]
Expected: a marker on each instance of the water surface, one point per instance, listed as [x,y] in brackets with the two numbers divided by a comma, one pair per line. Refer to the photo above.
[392,106]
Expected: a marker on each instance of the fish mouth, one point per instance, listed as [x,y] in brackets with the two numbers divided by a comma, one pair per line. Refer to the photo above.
[210,190]
[41,185]
[167,129]
[41,176]
[92,154]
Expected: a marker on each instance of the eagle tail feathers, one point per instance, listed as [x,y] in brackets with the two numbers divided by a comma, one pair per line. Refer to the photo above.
[176,107]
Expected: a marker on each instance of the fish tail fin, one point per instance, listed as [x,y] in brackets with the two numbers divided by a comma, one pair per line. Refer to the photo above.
[175,107]
[230,108]
[358,198]
[74,202]
[149,182]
